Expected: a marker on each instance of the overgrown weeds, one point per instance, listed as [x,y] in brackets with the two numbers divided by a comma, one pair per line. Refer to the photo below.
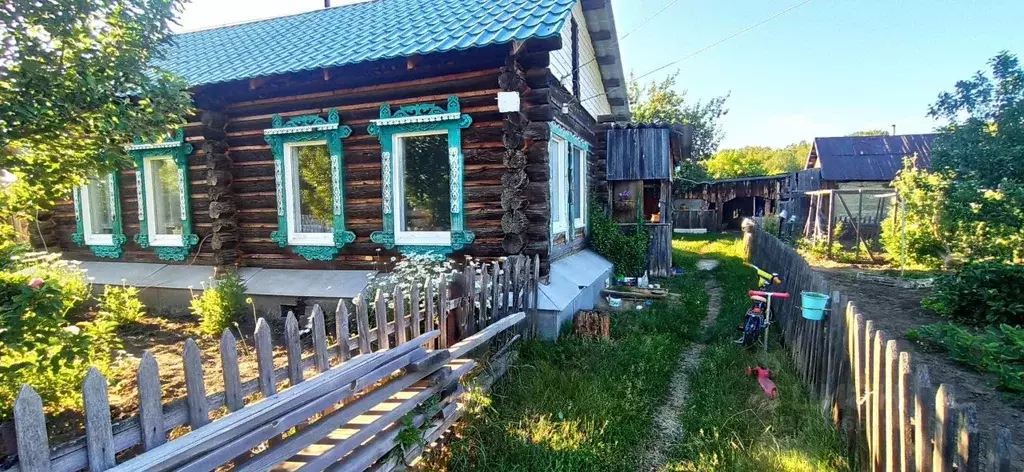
[995,349]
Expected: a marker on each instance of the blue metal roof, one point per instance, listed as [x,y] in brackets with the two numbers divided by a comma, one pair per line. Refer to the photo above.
[361,32]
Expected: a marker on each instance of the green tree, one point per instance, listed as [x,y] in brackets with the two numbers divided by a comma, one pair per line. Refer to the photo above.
[983,136]
[871,132]
[75,87]
[659,101]
[752,161]
[970,206]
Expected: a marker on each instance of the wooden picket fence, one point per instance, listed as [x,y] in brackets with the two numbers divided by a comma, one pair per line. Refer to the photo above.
[396,370]
[881,400]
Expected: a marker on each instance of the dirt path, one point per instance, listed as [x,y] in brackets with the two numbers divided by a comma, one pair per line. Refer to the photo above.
[666,420]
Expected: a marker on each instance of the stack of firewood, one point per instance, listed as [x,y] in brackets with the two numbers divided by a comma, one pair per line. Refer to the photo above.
[594,324]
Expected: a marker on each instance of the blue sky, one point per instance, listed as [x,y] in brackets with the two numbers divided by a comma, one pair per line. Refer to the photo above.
[829,67]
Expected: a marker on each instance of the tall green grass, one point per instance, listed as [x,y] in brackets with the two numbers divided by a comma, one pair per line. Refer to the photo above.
[582,404]
[730,425]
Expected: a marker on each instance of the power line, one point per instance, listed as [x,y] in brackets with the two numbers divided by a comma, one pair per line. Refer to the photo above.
[620,38]
[709,46]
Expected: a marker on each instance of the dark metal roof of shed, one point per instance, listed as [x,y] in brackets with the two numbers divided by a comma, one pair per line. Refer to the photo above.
[868,158]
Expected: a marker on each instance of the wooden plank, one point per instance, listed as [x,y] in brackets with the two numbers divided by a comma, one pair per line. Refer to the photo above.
[30,430]
[536,297]
[293,349]
[321,404]
[400,328]
[905,399]
[944,452]
[516,269]
[485,288]
[467,324]
[264,358]
[430,304]
[381,312]
[442,313]
[869,423]
[1003,451]
[855,330]
[924,405]
[363,323]
[207,439]
[98,433]
[195,388]
[492,314]
[341,330]
[320,358]
[892,423]
[464,346]
[322,427]
[151,412]
[968,450]
[414,305]
[506,282]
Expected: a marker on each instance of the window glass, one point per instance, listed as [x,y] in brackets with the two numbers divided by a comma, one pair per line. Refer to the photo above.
[166,210]
[315,202]
[578,173]
[101,215]
[426,183]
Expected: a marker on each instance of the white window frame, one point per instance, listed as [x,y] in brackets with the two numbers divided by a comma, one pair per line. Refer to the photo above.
[559,174]
[152,178]
[581,174]
[90,237]
[403,237]
[292,197]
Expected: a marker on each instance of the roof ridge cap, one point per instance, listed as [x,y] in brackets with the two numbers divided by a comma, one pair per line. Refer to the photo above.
[271,18]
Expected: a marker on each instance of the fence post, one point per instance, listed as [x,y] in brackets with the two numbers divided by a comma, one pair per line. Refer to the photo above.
[878,417]
[293,350]
[319,339]
[195,387]
[967,439]
[945,430]
[30,429]
[341,320]
[906,412]
[98,434]
[924,405]
[892,420]
[264,358]
[151,412]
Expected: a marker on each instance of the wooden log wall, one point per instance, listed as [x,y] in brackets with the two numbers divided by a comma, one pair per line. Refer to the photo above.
[888,410]
[514,221]
[237,211]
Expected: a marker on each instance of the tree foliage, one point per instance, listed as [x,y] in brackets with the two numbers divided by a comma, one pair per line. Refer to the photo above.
[75,88]
[970,206]
[659,101]
[871,132]
[757,160]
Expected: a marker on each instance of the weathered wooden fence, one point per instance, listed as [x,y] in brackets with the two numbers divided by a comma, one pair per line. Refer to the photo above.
[695,219]
[883,403]
[394,364]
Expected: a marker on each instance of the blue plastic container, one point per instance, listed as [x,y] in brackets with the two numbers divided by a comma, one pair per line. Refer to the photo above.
[813,305]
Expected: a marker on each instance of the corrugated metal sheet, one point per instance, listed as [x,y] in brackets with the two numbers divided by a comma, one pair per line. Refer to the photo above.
[356,33]
[869,158]
[639,154]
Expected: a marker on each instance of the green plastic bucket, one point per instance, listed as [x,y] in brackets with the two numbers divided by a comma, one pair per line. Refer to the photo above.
[813,305]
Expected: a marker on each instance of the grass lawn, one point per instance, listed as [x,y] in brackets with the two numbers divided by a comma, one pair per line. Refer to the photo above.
[582,404]
[730,424]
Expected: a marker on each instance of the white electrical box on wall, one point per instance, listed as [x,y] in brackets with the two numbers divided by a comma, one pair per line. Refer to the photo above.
[508,102]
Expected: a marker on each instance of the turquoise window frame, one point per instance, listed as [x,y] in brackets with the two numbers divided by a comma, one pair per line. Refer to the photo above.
[178,150]
[572,142]
[419,118]
[304,129]
[115,249]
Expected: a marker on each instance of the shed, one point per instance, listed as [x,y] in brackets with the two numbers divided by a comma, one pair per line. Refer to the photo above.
[867,158]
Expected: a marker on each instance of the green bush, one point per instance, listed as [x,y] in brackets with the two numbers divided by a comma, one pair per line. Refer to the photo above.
[625,247]
[986,293]
[121,304]
[998,350]
[219,305]
[39,345]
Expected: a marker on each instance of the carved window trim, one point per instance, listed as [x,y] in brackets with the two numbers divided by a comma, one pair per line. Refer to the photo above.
[566,160]
[177,150]
[310,130]
[102,245]
[416,119]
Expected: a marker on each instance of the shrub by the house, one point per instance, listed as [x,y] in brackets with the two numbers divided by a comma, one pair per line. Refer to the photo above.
[626,248]
[219,305]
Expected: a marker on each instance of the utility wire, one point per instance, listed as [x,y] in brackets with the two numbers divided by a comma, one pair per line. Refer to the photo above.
[709,46]
[620,38]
